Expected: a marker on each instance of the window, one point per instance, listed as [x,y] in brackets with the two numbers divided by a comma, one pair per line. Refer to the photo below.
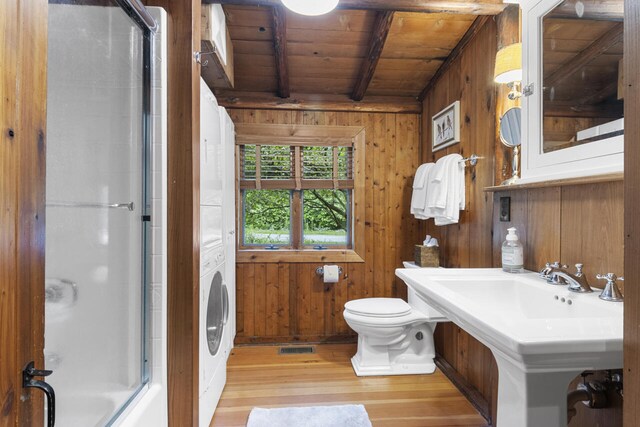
[300,188]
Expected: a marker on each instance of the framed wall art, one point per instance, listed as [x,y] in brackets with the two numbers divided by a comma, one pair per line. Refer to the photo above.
[445,130]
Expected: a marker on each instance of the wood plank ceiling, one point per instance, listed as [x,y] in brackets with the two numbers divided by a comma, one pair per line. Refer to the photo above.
[351,53]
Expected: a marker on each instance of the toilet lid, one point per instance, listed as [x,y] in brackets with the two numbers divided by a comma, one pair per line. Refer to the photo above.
[378,307]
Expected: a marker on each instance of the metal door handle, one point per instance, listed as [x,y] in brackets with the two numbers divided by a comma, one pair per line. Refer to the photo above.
[28,381]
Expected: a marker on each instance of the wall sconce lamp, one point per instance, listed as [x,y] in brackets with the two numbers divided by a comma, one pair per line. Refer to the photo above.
[509,69]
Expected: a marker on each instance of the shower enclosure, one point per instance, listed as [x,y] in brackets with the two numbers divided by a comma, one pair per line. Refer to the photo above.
[97,214]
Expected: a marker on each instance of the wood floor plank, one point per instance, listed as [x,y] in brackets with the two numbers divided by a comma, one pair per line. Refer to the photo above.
[259,376]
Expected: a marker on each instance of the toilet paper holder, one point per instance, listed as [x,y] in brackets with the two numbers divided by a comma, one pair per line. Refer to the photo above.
[320,271]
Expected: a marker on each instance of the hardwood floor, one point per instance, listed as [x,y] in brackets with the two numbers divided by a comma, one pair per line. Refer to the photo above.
[258,376]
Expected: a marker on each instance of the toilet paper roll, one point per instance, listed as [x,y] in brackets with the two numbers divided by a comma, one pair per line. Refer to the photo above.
[331,274]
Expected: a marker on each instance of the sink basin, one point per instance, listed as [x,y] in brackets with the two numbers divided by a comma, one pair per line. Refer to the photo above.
[541,335]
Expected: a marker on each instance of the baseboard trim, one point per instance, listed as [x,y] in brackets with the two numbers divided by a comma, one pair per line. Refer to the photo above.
[470,392]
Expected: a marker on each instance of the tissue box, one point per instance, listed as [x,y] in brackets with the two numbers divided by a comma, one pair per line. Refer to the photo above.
[427,256]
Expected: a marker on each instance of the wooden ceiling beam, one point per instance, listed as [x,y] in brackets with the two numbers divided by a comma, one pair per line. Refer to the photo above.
[594,50]
[467,7]
[455,53]
[379,35]
[313,102]
[280,48]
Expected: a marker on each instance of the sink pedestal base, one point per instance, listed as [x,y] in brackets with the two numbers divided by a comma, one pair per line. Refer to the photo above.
[531,399]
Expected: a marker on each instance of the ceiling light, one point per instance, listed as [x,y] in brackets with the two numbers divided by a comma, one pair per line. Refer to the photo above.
[311,7]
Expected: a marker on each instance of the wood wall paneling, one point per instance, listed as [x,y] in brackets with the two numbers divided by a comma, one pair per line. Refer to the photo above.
[469,79]
[631,217]
[184,208]
[303,307]
[23,91]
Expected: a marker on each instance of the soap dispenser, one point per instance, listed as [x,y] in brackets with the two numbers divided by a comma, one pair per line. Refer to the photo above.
[512,253]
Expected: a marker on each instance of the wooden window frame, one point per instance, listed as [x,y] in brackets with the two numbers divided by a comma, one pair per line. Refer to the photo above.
[304,135]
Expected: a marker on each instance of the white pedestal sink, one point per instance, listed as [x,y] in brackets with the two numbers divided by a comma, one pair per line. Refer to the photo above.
[541,335]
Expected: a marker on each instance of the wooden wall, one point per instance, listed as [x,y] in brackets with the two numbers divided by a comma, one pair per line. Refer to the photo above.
[288,302]
[632,219]
[581,223]
[23,91]
[183,216]
[468,243]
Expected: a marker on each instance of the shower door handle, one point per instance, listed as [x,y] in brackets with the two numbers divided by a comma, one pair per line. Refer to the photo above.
[28,381]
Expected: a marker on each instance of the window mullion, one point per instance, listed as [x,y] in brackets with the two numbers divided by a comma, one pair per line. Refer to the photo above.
[335,168]
[297,166]
[258,168]
[296,219]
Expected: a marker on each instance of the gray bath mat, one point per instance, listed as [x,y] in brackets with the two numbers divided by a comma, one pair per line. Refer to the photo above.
[310,416]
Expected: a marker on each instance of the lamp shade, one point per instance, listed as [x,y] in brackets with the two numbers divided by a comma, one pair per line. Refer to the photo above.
[311,7]
[509,64]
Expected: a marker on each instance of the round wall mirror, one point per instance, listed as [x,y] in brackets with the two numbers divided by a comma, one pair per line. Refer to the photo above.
[510,127]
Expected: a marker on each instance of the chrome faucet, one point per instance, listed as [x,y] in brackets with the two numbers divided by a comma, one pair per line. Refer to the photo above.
[577,282]
[545,273]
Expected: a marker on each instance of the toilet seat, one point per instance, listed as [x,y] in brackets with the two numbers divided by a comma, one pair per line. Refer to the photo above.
[378,307]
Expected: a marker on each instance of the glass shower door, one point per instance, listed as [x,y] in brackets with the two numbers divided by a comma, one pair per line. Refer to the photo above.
[96,233]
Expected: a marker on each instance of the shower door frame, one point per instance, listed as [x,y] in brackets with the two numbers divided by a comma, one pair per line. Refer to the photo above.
[23,89]
[139,15]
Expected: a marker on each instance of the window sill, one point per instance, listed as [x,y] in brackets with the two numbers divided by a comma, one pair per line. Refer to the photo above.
[294,256]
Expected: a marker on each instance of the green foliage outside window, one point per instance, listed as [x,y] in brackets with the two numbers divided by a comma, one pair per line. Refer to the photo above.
[267,213]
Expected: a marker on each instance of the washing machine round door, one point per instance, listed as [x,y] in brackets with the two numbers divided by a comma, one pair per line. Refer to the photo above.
[215,314]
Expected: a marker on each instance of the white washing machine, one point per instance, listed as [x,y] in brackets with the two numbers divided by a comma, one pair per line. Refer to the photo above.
[214,316]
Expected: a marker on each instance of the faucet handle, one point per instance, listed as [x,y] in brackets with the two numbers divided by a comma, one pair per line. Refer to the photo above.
[609,277]
[544,272]
[558,265]
[610,291]
[579,269]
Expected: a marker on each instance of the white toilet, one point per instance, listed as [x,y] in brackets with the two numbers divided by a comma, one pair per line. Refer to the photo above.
[394,338]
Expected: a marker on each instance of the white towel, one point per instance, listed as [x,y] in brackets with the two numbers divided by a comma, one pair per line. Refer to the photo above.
[424,212]
[444,189]
[453,185]
[441,182]
[419,195]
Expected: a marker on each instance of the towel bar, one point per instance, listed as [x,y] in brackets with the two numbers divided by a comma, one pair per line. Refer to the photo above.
[473,160]
[129,206]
